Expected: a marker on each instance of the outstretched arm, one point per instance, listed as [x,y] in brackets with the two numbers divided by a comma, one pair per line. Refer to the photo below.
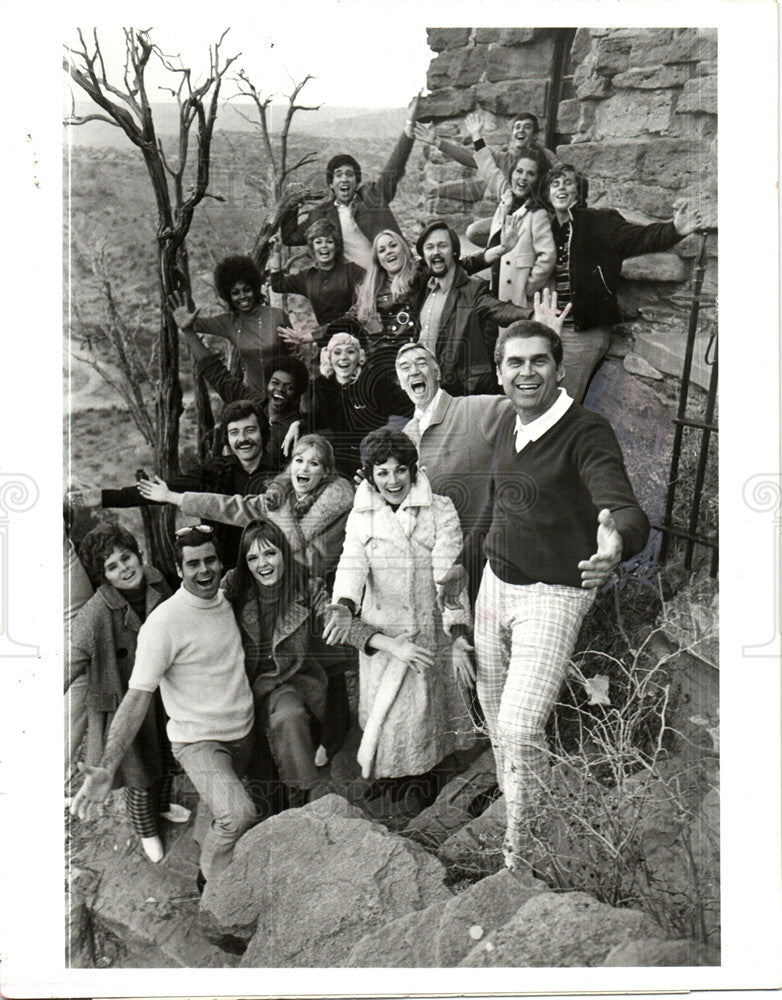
[122,732]
[599,567]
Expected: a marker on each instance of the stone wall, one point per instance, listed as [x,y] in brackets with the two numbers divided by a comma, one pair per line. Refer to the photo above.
[638,117]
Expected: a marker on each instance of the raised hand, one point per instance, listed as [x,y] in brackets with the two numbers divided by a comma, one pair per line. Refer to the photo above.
[412,114]
[291,437]
[184,314]
[275,254]
[463,662]
[297,338]
[418,658]
[510,232]
[686,217]
[425,133]
[90,797]
[599,567]
[545,310]
[475,123]
[337,628]
[155,489]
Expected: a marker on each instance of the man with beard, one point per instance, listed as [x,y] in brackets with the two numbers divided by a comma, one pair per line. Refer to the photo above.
[190,648]
[458,315]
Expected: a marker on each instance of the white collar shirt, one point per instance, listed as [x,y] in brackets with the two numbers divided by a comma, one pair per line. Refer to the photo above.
[537,428]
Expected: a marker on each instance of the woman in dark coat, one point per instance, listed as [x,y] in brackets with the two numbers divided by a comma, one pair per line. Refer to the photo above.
[103,646]
[353,397]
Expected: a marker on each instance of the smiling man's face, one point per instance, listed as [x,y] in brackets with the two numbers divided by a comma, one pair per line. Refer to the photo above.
[530,376]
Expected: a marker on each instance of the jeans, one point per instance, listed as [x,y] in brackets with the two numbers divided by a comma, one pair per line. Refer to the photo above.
[215,770]
[582,353]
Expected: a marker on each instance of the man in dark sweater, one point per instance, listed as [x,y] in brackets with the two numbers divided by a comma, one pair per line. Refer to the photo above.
[559,482]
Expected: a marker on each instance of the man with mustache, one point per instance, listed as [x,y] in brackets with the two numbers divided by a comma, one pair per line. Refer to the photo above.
[246,468]
[458,316]
[190,648]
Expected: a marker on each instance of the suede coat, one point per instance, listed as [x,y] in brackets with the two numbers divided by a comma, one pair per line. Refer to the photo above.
[103,645]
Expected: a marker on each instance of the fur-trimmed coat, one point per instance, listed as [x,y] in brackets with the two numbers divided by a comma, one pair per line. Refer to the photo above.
[103,646]
[316,538]
[392,567]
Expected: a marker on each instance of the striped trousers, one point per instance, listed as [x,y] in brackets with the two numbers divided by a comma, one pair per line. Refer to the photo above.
[144,805]
[524,637]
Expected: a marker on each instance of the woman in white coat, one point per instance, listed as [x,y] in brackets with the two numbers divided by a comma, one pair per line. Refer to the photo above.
[520,250]
[401,545]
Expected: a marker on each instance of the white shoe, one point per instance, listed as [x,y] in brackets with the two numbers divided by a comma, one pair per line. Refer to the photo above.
[321,757]
[176,813]
[153,848]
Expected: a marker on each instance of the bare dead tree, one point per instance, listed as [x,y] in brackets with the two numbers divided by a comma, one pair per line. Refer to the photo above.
[177,191]
[278,167]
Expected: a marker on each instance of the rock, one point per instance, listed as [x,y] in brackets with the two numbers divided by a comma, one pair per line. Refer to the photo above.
[653,77]
[358,876]
[633,113]
[569,116]
[512,62]
[588,82]
[439,39]
[449,102]
[507,36]
[582,45]
[666,953]
[685,45]
[675,163]
[637,365]
[452,807]
[561,930]
[477,847]
[655,267]
[507,98]
[699,96]
[456,68]
[618,160]
[612,55]
[442,934]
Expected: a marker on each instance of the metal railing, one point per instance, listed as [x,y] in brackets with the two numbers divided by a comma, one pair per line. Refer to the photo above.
[706,427]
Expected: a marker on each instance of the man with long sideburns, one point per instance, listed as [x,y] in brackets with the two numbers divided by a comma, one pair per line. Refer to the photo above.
[190,647]
[558,481]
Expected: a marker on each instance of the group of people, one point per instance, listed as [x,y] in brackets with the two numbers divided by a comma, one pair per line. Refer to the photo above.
[411,489]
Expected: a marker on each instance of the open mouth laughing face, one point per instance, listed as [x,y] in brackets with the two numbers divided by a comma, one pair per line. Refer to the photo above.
[344,184]
[418,375]
[390,254]
[200,570]
[529,376]
[307,471]
[324,250]
[265,562]
[563,192]
[392,480]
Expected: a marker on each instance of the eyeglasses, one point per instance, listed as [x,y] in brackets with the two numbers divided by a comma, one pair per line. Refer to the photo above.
[205,529]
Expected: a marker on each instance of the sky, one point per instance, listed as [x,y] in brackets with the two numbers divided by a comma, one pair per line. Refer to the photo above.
[379,67]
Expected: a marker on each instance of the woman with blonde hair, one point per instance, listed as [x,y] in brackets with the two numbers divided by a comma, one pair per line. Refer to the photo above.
[387,299]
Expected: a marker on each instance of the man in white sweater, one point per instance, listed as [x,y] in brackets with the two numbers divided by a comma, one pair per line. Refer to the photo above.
[190,647]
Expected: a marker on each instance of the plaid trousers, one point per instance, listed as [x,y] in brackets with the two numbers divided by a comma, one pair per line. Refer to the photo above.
[524,637]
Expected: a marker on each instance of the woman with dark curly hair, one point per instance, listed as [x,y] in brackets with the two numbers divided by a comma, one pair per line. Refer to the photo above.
[250,325]
[103,646]
[401,545]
